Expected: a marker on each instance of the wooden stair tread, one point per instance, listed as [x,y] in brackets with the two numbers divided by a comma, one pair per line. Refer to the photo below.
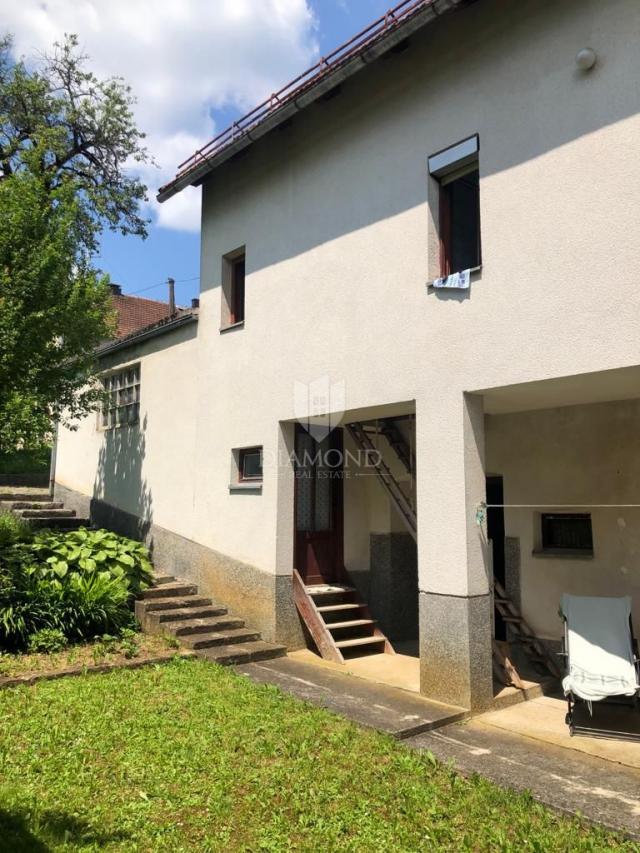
[359,641]
[336,608]
[353,623]
[329,590]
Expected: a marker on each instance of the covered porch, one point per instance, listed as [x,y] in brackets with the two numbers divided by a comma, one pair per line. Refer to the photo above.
[547,473]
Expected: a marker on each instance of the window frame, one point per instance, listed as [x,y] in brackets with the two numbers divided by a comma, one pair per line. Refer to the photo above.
[553,548]
[107,380]
[233,290]
[445,167]
[238,289]
[247,451]
[445,216]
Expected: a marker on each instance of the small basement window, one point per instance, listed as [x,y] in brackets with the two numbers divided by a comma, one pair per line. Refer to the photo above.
[567,533]
[121,406]
[233,289]
[458,176]
[250,464]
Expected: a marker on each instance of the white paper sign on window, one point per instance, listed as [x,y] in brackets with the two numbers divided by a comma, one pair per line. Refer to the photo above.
[455,281]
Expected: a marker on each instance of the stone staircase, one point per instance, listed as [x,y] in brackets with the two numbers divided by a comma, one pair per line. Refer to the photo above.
[37,506]
[174,607]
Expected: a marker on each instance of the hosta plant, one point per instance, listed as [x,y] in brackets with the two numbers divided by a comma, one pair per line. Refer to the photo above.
[80,583]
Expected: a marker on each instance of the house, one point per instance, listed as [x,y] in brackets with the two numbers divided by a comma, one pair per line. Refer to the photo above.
[136,312]
[418,297]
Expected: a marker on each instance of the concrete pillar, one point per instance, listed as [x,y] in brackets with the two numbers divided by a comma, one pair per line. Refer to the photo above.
[288,628]
[453,567]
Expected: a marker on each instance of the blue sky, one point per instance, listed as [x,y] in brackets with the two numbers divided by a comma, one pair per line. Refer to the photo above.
[143,266]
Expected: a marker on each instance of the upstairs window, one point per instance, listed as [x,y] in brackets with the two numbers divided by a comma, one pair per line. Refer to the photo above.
[121,406]
[567,533]
[237,290]
[233,289]
[456,170]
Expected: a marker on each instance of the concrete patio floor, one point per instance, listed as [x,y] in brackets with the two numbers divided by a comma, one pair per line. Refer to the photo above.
[401,671]
[543,719]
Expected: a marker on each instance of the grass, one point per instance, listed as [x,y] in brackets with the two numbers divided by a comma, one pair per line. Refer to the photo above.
[104,649]
[189,756]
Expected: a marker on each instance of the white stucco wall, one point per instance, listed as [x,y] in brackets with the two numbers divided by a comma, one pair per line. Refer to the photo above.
[579,456]
[148,469]
[334,212]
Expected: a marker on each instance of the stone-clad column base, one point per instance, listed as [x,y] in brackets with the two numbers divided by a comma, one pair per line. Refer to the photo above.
[455,649]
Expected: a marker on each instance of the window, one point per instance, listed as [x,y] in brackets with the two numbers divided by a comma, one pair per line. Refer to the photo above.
[456,170]
[237,290]
[250,464]
[567,532]
[233,289]
[121,406]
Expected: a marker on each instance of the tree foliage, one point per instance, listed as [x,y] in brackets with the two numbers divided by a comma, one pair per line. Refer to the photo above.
[66,142]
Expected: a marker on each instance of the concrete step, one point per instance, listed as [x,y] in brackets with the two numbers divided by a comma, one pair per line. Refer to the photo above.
[24,495]
[46,513]
[158,580]
[36,505]
[170,590]
[208,625]
[172,602]
[182,613]
[220,638]
[59,523]
[239,653]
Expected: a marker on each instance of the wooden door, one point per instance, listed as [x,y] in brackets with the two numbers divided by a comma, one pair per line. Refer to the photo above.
[318,507]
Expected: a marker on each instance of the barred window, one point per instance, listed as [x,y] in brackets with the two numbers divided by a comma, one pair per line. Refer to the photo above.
[122,404]
[567,532]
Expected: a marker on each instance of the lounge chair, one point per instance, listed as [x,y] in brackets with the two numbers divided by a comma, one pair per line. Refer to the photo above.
[602,665]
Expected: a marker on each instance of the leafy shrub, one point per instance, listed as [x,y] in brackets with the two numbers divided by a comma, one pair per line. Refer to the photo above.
[13,529]
[81,583]
[48,640]
[86,551]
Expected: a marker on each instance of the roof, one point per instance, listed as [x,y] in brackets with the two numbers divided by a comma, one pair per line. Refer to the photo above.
[361,49]
[136,313]
[182,317]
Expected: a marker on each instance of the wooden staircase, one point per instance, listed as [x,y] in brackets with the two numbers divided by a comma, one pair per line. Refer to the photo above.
[521,633]
[339,623]
[361,436]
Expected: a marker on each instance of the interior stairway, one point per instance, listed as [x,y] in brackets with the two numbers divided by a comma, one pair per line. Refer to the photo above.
[174,607]
[340,623]
[37,506]
[362,435]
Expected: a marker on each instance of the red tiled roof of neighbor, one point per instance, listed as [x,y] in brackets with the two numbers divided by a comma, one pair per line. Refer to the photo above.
[135,312]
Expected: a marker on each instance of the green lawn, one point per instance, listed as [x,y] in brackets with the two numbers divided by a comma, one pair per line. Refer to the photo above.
[189,756]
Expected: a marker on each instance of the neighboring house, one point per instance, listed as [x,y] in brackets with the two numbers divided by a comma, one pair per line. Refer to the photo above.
[463,136]
[135,312]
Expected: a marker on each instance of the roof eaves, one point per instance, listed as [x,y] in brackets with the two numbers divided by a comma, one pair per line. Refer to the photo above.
[168,324]
[426,12]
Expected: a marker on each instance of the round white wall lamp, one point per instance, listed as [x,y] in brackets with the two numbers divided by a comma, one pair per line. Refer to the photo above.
[586,58]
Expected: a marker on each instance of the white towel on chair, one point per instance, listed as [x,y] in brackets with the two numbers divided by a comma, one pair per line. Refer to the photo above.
[601,661]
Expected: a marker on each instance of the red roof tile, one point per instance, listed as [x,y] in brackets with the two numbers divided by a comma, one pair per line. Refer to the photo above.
[136,313]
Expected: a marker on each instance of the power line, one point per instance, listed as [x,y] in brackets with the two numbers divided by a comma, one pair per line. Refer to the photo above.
[160,283]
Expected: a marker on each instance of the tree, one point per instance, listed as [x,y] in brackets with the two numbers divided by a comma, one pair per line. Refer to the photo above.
[66,139]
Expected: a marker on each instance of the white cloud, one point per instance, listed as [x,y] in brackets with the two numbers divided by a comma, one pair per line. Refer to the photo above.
[182,58]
